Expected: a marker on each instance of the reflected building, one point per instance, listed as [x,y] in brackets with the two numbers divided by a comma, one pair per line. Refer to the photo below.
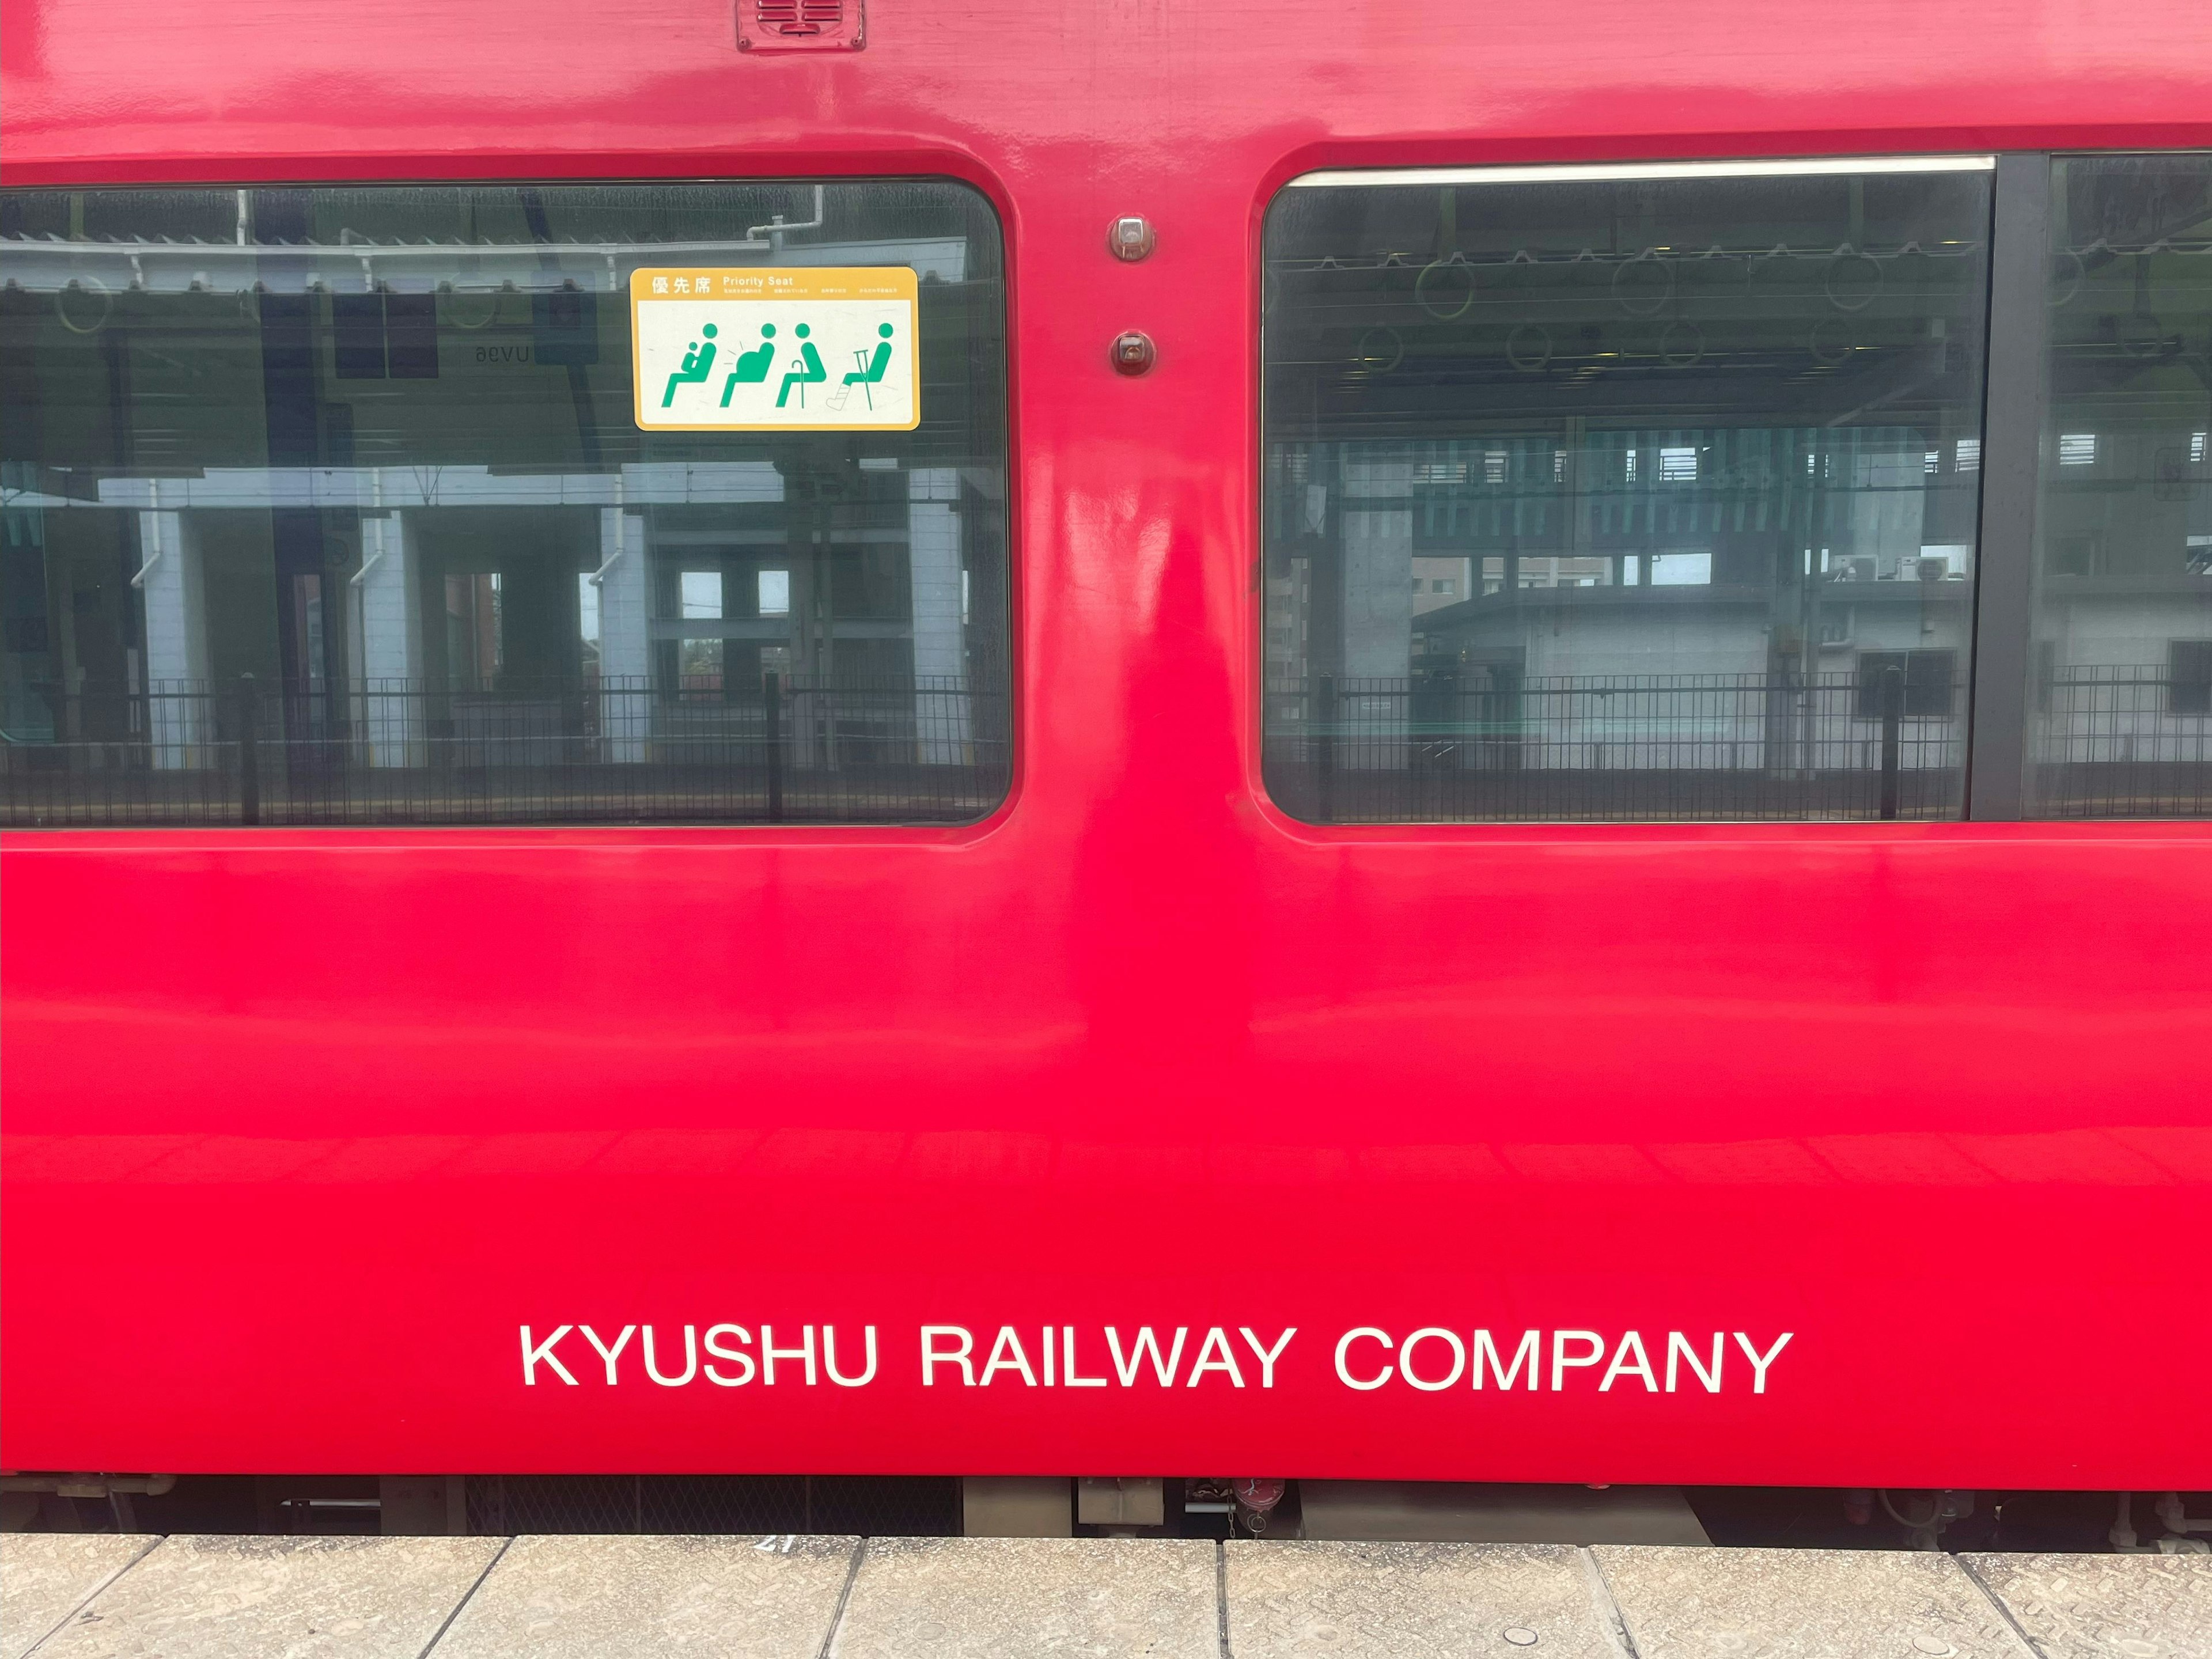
[2120,694]
[378,501]
[1653,493]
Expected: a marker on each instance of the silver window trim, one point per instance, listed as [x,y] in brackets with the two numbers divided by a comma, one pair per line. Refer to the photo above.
[1579,173]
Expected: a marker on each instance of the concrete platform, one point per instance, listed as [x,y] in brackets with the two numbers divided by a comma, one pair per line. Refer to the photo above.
[46,1577]
[104,1597]
[304,1598]
[613,1598]
[1692,1604]
[971,1598]
[1414,1602]
[2103,1606]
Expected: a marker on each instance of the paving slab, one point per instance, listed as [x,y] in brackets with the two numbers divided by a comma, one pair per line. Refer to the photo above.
[609,1598]
[299,1598]
[1397,1601]
[2105,1607]
[45,1577]
[988,1598]
[1802,1604]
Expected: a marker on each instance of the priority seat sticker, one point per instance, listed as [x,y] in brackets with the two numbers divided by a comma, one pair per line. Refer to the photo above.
[774,350]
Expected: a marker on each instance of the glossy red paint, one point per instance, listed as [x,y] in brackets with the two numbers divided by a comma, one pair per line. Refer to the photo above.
[301,1126]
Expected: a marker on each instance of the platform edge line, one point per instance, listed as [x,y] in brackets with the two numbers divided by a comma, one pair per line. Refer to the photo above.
[1609,1615]
[844,1596]
[1989,1595]
[467,1596]
[1221,1599]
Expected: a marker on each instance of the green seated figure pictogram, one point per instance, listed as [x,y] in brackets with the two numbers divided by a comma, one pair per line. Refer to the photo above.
[872,365]
[752,367]
[698,363]
[807,371]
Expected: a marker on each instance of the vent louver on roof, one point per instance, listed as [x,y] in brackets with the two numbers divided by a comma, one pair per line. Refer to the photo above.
[800,25]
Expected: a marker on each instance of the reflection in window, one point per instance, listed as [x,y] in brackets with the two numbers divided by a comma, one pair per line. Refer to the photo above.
[2121,717]
[702,594]
[329,505]
[1926,684]
[2189,677]
[1698,455]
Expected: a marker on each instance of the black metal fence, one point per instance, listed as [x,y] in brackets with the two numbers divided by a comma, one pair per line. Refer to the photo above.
[2123,743]
[1479,745]
[412,752]
[1492,745]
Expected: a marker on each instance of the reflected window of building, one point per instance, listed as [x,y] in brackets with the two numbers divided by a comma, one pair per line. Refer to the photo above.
[333,506]
[1646,493]
[2120,717]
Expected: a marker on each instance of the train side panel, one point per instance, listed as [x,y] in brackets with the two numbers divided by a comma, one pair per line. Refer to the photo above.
[1890,1146]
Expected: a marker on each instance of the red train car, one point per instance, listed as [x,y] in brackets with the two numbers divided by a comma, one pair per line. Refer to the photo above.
[1420,743]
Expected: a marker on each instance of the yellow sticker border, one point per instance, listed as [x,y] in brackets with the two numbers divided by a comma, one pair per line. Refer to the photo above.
[787,282]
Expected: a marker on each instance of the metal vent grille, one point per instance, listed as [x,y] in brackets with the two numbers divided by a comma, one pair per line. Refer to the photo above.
[794,17]
[800,25]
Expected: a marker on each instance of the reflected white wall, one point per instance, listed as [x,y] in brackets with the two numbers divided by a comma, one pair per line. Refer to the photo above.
[1378,601]
[387,608]
[172,584]
[941,723]
[1379,567]
[625,636]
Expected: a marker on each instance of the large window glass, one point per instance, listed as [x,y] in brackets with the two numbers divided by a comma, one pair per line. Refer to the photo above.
[342,505]
[1639,492]
[2120,704]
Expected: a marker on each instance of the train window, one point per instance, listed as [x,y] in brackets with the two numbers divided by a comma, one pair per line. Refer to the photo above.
[2120,720]
[1615,494]
[340,506]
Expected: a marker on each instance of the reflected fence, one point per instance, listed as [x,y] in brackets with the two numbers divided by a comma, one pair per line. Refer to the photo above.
[1480,746]
[774,749]
[2122,742]
[1490,745]
[1881,741]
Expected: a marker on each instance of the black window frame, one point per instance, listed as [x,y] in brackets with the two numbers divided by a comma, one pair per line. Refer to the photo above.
[383,335]
[2015,452]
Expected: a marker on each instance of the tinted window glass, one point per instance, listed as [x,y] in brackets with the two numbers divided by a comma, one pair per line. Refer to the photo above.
[341,506]
[2120,722]
[1627,497]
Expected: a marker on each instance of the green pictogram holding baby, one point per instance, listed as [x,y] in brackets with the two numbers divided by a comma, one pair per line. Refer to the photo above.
[698,363]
